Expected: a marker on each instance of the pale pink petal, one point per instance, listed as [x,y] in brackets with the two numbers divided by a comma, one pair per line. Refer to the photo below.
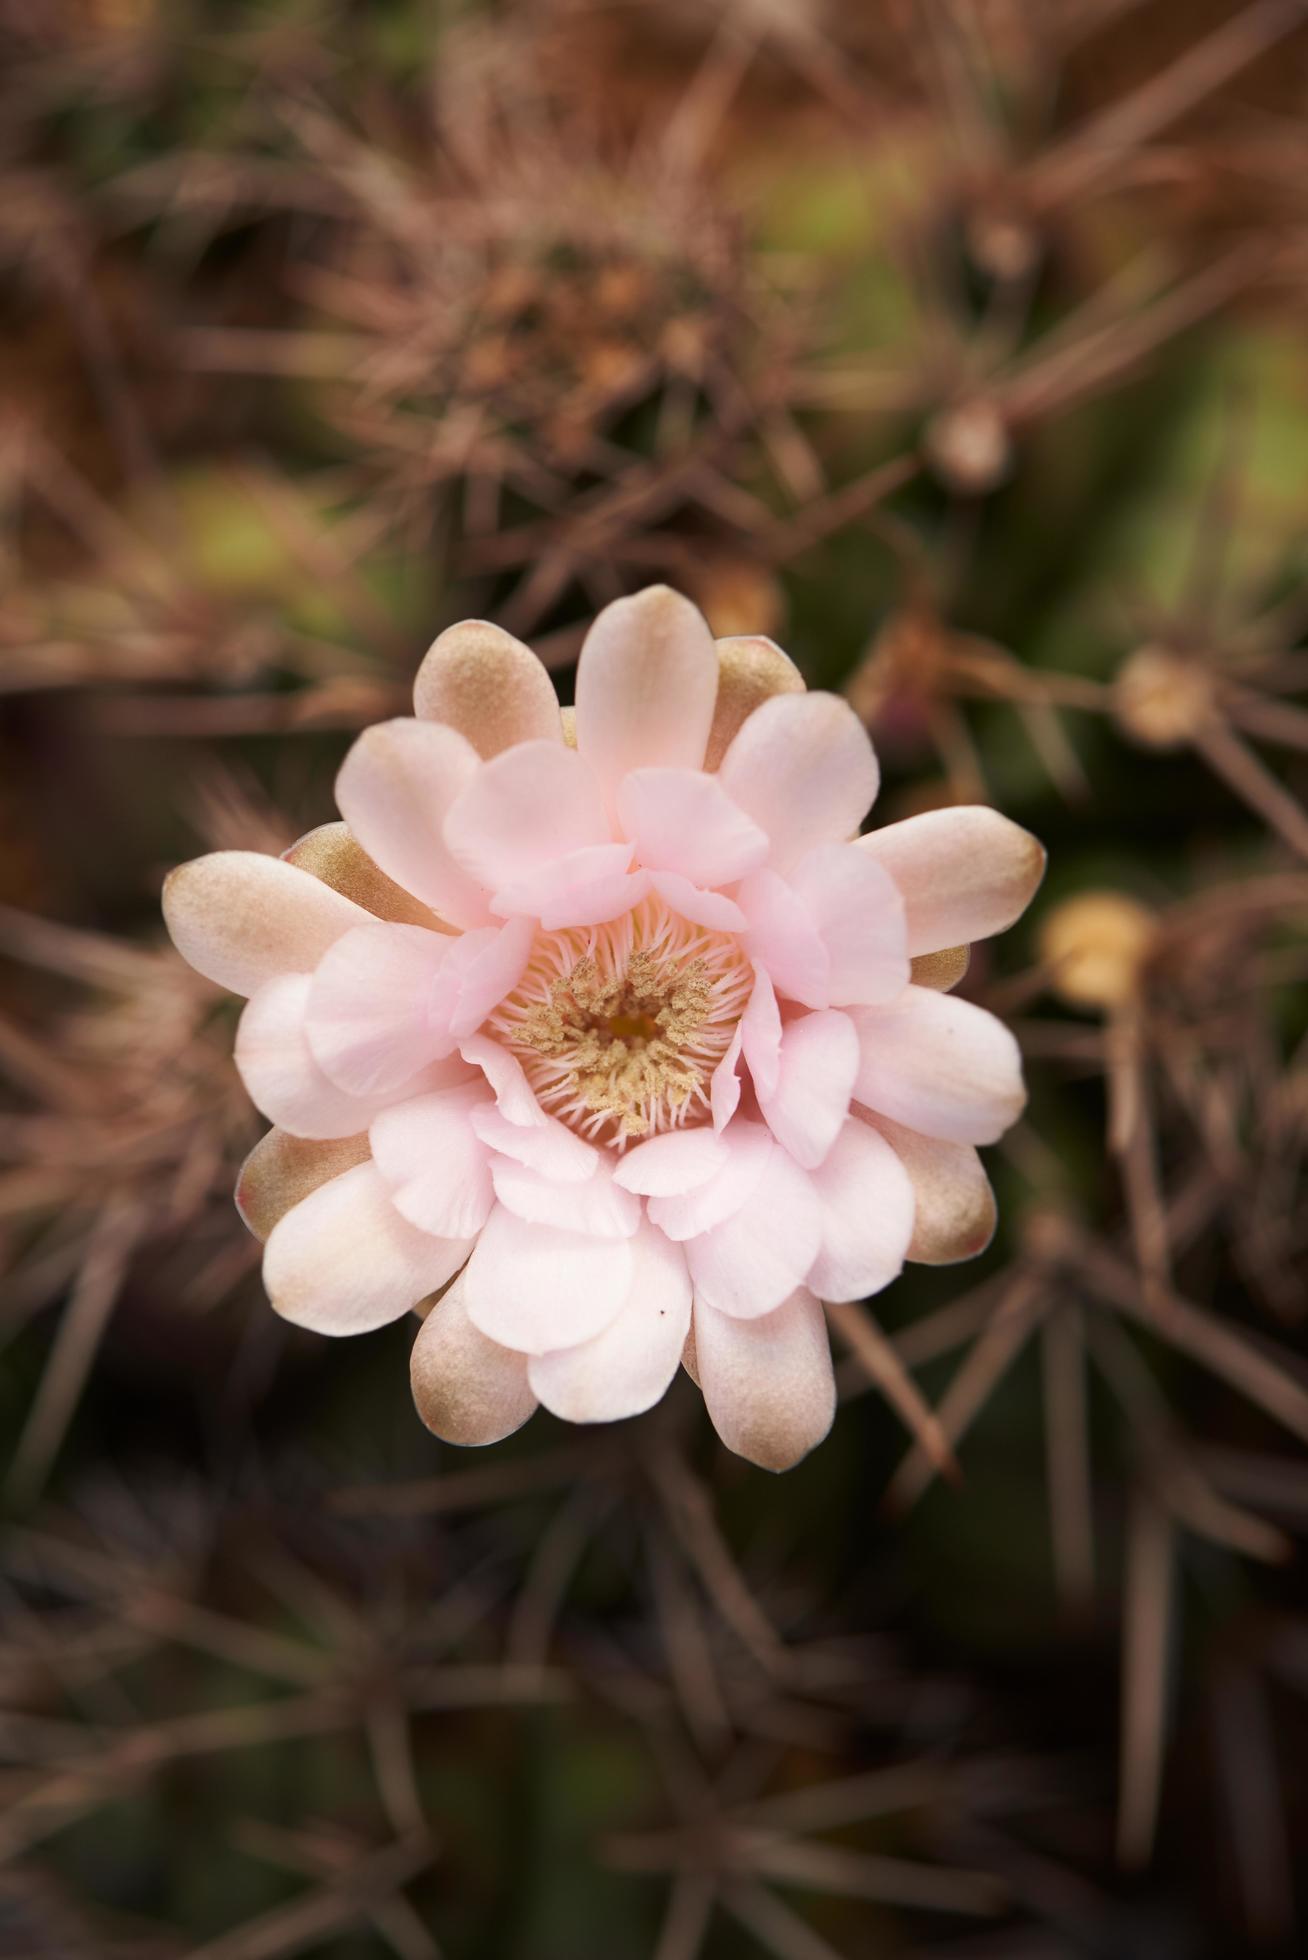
[814,1081]
[803,768]
[683,821]
[768,1384]
[647,680]
[965,873]
[436,1166]
[467,1389]
[867,1215]
[756,1258]
[533,1287]
[667,1165]
[547,1147]
[583,892]
[529,806]
[724,1088]
[760,1033]
[369,1019]
[344,1261]
[783,937]
[954,1213]
[480,969]
[242,919]
[710,909]
[684,1214]
[514,1095]
[394,789]
[939,1065]
[627,1368]
[584,888]
[277,1066]
[490,687]
[595,1205]
[589,897]
[857,909]
[758,1037]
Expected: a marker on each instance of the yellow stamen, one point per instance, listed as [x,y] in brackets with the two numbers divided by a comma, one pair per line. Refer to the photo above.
[619,1027]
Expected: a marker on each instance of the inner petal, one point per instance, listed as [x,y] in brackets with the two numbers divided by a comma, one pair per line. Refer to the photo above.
[619,1027]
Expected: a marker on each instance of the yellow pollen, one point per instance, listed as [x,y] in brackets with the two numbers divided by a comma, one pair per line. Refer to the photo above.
[619,1027]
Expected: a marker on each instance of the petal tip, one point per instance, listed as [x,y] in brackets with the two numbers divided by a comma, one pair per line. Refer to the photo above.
[941,971]
[467,1389]
[487,686]
[751,669]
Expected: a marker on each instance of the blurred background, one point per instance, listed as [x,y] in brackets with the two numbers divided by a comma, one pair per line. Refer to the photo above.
[959,346]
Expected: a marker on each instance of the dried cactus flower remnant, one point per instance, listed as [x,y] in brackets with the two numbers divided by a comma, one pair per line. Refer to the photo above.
[625,1042]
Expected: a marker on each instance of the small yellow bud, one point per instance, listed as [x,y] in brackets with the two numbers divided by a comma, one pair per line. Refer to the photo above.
[1095,947]
[1162,699]
[967,445]
[1002,243]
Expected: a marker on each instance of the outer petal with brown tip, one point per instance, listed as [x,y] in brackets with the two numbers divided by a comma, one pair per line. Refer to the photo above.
[282,1169]
[343,1261]
[490,687]
[750,671]
[768,1383]
[332,854]
[241,918]
[955,1207]
[466,1388]
[965,873]
[940,971]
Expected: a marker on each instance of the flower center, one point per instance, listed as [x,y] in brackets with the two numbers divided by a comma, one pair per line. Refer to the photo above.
[619,1027]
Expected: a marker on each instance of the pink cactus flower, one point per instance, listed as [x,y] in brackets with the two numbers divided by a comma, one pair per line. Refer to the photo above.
[613,1047]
